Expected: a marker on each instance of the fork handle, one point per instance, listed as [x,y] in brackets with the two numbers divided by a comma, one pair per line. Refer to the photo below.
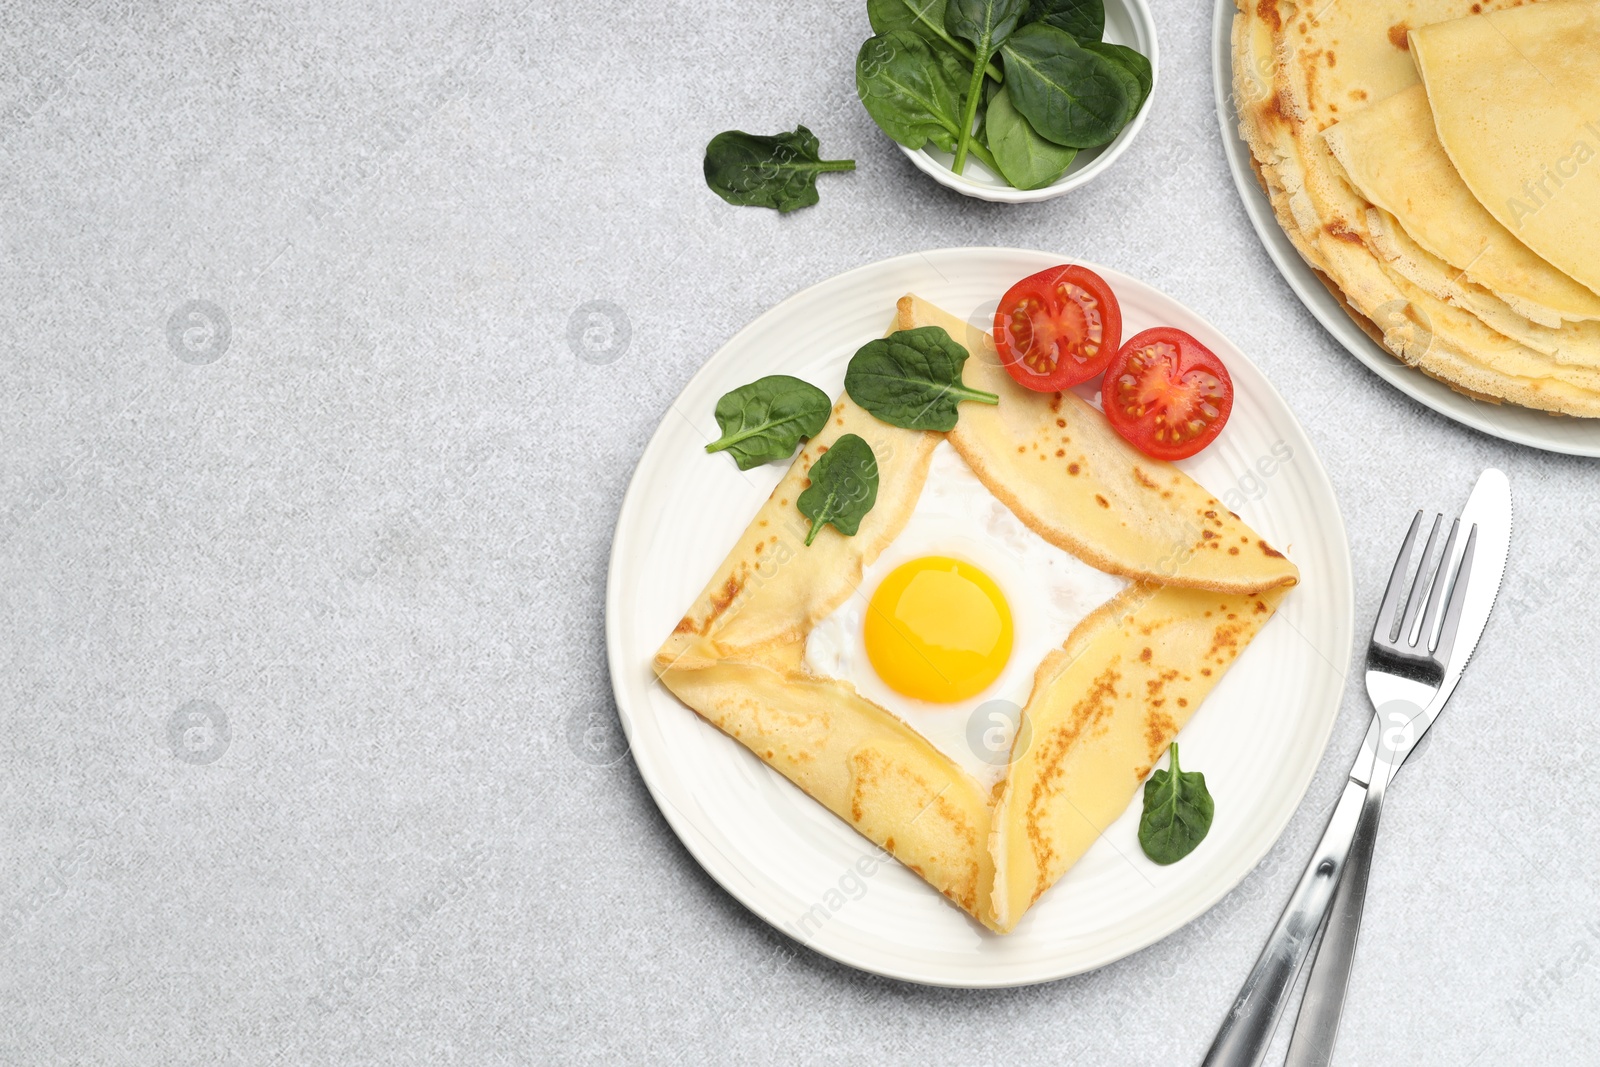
[1317,1025]
[1243,1038]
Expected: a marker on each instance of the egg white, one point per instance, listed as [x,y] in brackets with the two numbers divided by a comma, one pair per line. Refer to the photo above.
[1049,592]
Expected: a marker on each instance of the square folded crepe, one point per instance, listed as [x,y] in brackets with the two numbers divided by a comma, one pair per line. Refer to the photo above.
[1105,703]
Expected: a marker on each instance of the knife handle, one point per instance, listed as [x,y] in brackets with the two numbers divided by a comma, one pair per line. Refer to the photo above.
[1243,1038]
[1317,1025]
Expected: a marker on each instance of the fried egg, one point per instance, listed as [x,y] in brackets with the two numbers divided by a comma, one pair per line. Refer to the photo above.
[950,623]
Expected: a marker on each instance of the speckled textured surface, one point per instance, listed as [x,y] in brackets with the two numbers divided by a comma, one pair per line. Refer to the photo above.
[310,754]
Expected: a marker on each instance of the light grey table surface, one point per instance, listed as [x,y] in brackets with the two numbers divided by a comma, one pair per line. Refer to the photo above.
[309,749]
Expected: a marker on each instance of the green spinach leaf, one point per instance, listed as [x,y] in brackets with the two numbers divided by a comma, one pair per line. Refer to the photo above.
[777,172]
[1177,813]
[1070,95]
[986,24]
[1026,160]
[911,91]
[912,379]
[926,19]
[764,420]
[1134,62]
[844,486]
[1084,19]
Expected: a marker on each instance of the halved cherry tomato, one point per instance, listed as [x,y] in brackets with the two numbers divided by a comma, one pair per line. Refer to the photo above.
[1167,394]
[1057,328]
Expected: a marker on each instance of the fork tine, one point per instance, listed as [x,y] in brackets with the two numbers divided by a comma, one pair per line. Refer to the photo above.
[1441,579]
[1419,585]
[1458,599]
[1383,628]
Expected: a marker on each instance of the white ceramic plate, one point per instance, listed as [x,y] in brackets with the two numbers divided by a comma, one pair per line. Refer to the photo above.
[1578,437]
[1258,738]
[1128,22]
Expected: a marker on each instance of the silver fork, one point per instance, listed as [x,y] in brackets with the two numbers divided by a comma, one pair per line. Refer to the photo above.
[1413,662]
[1489,514]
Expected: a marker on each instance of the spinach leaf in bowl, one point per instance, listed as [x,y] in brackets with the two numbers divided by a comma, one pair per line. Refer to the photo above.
[1026,160]
[987,24]
[1070,95]
[911,91]
[1134,62]
[912,379]
[1084,19]
[844,486]
[764,420]
[777,172]
[925,18]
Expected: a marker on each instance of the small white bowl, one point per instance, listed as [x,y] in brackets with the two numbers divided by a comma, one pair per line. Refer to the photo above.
[1128,22]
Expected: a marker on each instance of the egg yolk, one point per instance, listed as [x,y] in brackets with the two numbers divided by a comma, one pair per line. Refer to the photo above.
[938,629]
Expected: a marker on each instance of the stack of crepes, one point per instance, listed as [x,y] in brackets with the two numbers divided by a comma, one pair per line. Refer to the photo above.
[1438,162]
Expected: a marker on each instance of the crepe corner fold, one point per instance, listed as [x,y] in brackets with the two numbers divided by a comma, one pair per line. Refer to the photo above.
[1104,709]
[1059,466]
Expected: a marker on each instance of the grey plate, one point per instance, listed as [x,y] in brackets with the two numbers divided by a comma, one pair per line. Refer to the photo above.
[1578,437]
